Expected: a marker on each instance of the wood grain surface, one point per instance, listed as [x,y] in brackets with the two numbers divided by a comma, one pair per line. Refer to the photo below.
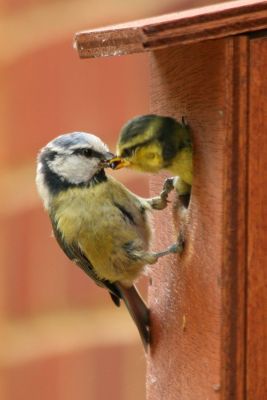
[257,229]
[216,21]
[197,301]
[234,244]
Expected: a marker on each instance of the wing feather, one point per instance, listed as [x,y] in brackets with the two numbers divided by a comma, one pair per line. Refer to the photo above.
[75,254]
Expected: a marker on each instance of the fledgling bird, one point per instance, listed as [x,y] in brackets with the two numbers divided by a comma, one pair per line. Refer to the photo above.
[98,223]
[151,143]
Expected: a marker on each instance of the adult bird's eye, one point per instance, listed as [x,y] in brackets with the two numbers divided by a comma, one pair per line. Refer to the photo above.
[86,152]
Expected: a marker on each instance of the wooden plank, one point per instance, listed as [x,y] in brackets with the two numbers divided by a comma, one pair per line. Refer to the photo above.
[257,232]
[183,27]
[234,245]
[197,303]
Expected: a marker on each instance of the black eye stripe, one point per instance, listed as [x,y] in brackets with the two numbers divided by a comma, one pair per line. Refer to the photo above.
[86,152]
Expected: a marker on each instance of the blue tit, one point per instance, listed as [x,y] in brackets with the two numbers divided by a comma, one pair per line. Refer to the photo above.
[99,224]
[151,143]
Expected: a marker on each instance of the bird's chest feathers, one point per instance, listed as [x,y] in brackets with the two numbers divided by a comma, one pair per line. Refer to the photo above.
[182,165]
[75,210]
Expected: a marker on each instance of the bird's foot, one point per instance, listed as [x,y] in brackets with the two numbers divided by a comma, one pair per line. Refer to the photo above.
[176,248]
[160,202]
[168,186]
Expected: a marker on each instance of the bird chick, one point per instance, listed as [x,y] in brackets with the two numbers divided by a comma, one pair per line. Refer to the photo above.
[151,143]
[99,224]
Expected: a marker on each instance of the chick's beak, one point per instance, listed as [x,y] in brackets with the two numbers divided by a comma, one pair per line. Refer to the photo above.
[118,163]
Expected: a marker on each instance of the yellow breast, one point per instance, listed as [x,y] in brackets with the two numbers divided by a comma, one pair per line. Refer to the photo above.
[182,165]
[90,218]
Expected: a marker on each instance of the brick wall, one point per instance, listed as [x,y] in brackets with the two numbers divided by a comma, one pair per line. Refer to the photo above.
[61,337]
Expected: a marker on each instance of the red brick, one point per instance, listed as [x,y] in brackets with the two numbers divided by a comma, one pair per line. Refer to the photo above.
[108,363]
[19,5]
[35,270]
[134,373]
[32,380]
[76,376]
[52,91]
[83,292]
[38,275]
[89,373]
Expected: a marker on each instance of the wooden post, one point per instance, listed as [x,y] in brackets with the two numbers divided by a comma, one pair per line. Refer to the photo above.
[208,325]
[198,324]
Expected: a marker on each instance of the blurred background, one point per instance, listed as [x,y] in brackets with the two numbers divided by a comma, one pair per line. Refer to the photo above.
[60,335]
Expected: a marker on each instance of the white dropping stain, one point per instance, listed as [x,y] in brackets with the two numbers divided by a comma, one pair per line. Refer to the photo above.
[184,323]
[216,387]
[153,380]
[117,52]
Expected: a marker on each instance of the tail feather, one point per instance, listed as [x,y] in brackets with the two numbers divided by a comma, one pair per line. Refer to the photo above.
[138,310]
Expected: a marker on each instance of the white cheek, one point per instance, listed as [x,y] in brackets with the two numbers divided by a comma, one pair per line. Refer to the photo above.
[75,169]
[41,187]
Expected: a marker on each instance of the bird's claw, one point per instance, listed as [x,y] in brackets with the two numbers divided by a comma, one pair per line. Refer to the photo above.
[163,197]
[168,186]
[177,247]
[159,202]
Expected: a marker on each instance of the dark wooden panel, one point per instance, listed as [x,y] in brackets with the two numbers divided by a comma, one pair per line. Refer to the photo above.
[234,246]
[197,303]
[257,211]
[216,21]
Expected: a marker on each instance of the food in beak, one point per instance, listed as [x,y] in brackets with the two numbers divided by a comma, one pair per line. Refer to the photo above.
[118,163]
[108,157]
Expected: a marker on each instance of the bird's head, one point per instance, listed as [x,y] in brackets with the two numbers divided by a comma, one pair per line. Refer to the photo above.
[72,160]
[148,143]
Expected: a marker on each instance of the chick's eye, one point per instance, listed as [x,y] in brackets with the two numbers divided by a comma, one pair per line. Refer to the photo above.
[150,155]
[126,153]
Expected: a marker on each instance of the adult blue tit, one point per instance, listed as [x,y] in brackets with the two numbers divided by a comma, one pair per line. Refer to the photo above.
[151,143]
[99,224]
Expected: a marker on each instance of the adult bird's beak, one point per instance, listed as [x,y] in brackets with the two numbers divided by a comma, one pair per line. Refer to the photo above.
[107,157]
[118,163]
